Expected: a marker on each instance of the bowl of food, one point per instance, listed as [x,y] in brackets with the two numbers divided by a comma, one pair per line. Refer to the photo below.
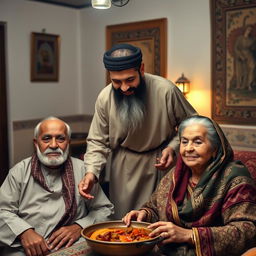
[116,239]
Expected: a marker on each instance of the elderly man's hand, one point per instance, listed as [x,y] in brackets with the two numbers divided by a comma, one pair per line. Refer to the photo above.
[33,243]
[165,161]
[86,184]
[65,236]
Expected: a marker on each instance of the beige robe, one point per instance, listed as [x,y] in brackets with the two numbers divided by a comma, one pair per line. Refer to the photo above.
[133,176]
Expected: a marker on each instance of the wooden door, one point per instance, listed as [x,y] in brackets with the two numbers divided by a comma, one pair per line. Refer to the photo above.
[4,154]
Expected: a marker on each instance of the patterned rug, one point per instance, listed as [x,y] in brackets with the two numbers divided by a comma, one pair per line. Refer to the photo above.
[80,249]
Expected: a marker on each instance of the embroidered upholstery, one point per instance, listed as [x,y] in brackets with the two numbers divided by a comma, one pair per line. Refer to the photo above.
[249,159]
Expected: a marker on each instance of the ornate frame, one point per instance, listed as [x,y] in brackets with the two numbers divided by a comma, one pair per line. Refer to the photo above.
[44,57]
[149,35]
[233,85]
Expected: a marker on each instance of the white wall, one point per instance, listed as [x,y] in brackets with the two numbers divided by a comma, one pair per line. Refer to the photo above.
[37,99]
[188,44]
[26,99]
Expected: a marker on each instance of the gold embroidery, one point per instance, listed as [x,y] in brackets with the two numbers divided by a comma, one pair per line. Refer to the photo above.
[174,206]
[197,241]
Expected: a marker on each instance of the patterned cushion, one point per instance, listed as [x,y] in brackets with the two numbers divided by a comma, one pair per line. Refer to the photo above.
[249,159]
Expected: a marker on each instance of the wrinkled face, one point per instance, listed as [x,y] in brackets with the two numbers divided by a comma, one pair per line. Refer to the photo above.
[126,81]
[195,148]
[52,142]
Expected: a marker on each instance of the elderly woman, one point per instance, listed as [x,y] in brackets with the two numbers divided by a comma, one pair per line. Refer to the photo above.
[207,204]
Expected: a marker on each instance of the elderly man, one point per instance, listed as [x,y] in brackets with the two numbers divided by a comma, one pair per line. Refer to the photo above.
[40,206]
[135,118]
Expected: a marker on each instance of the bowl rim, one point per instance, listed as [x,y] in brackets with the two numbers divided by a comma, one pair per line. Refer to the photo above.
[117,243]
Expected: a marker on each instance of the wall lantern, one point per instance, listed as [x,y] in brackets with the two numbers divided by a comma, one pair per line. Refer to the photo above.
[183,84]
[105,4]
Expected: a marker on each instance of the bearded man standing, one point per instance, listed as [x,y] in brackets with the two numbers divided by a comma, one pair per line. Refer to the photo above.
[135,118]
[40,206]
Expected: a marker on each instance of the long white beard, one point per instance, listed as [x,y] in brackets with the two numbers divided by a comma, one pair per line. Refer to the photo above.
[52,161]
[131,113]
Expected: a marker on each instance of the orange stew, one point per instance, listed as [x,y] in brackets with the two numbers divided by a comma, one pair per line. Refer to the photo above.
[129,234]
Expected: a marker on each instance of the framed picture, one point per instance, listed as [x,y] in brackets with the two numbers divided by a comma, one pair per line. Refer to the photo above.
[44,57]
[234,61]
[150,36]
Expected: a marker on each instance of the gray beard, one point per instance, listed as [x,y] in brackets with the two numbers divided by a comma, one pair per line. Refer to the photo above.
[50,162]
[131,109]
[131,112]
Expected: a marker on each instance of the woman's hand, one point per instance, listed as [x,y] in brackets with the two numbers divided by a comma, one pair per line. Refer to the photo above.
[86,184]
[170,232]
[166,160]
[134,215]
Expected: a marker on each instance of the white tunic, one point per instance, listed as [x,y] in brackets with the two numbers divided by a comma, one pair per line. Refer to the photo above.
[25,204]
[133,176]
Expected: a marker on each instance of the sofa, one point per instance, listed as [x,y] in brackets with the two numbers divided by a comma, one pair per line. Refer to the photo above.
[248,158]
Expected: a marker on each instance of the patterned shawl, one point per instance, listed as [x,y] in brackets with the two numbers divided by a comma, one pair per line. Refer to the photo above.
[220,208]
[68,188]
[203,206]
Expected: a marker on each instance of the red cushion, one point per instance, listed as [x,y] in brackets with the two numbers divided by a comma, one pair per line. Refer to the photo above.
[248,158]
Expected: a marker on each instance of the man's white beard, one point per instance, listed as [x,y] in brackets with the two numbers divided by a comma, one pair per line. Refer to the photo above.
[131,112]
[52,161]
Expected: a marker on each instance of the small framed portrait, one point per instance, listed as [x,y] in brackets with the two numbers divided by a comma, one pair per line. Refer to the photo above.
[45,57]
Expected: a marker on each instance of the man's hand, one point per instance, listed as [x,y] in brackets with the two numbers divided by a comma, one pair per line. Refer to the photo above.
[166,159]
[86,184]
[33,243]
[65,236]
